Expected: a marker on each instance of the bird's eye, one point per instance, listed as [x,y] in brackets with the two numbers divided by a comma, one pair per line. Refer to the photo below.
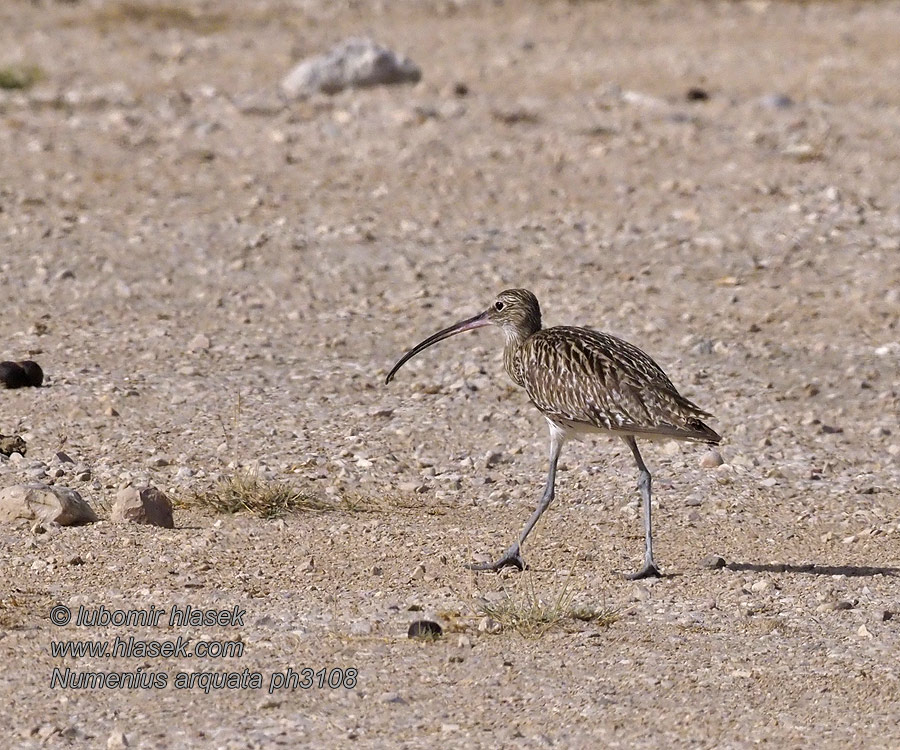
[498,305]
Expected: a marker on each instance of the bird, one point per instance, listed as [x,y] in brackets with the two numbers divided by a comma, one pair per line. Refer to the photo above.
[583,381]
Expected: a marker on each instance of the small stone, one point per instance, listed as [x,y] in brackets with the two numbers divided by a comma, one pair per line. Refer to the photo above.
[864,632]
[424,629]
[63,458]
[696,94]
[464,642]
[117,741]
[492,458]
[758,586]
[489,625]
[711,459]
[712,562]
[776,101]
[146,506]
[10,444]
[200,343]
[45,504]
[418,574]
[390,698]
[76,560]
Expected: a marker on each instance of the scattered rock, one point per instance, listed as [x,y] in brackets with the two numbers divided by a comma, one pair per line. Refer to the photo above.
[200,343]
[424,629]
[116,741]
[45,504]
[712,562]
[148,506]
[10,444]
[489,625]
[353,63]
[21,374]
[711,459]
[696,94]
[776,101]
[523,112]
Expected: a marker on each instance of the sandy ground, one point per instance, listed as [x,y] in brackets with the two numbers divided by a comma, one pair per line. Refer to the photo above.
[215,283]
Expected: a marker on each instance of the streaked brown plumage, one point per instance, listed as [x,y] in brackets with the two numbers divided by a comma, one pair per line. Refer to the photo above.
[583,381]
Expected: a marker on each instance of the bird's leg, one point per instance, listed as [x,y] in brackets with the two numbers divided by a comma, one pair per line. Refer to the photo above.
[513,556]
[649,570]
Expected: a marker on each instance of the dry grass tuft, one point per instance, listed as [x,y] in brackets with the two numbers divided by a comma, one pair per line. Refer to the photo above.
[248,493]
[530,615]
[159,16]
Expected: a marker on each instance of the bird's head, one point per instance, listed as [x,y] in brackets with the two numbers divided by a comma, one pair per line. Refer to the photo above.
[516,311]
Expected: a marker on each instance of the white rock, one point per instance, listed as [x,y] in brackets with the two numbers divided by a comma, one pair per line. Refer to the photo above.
[711,459]
[353,63]
[41,502]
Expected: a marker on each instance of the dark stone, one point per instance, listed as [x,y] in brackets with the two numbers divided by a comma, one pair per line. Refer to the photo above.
[33,371]
[12,375]
[696,94]
[21,374]
[10,444]
[424,629]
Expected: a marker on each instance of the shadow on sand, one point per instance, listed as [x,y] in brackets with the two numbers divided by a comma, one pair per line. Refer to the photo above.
[813,569]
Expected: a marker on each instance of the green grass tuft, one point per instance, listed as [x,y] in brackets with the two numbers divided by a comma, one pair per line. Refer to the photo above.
[19,76]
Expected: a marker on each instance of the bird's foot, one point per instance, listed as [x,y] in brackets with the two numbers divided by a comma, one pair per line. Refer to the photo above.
[648,571]
[511,558]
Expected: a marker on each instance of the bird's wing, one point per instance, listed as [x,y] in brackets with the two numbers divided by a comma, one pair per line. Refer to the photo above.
[580,375]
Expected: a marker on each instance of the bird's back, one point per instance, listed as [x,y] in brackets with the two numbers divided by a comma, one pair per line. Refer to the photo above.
[579,377]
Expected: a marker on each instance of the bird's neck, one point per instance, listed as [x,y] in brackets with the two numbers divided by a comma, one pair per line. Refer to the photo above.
[515,339]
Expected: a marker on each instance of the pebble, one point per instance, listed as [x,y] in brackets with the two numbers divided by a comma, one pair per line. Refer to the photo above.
[711,459]
[712,562]
[116,741]
[489,625]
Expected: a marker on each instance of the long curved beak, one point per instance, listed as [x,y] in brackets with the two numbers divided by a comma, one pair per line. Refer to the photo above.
[478,321]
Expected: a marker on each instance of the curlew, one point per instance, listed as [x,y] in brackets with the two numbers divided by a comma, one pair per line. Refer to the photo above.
[582,381]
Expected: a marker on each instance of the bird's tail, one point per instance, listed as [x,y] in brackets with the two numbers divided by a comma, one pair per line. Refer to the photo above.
[703,432]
